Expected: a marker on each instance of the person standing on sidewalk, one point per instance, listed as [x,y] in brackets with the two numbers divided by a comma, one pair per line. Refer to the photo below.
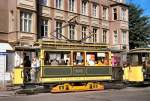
[35,68]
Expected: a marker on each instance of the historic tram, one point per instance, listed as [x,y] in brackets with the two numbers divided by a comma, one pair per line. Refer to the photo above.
[66,66]
[138,66]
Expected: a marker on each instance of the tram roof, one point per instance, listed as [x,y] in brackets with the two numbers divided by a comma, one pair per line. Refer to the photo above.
[65,45]
[26,48]
[140,50]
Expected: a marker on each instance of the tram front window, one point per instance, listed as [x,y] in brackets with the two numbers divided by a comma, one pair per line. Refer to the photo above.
[134,60]
[57,58]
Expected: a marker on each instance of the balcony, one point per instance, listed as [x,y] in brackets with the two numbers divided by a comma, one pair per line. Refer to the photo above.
[59,14]
[95,22]
[124,25]
[12,37]
[27,38]
[45,11]
[84,20]
[105,24]
[27,4]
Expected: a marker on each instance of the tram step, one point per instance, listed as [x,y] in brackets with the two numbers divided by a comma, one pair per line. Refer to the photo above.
[69,88]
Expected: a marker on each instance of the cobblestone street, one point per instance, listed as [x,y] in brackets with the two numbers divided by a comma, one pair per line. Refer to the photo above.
[127,94]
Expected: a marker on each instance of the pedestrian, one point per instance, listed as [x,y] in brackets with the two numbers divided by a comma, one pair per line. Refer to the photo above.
[35,67]
[27,68]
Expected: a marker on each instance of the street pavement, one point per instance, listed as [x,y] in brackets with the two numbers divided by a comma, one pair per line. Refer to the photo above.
[127,94]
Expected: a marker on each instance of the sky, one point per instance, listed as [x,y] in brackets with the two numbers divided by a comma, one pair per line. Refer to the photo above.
[145,4]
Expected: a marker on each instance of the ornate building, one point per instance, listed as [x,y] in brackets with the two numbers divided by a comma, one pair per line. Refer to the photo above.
[23,22]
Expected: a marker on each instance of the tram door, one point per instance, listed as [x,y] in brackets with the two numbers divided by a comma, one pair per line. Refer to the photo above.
[22,71]
[18,76]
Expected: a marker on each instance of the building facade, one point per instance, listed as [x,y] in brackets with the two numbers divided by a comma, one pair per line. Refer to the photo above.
[23,22]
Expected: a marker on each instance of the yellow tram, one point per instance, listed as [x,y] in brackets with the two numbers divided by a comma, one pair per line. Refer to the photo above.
[138,66]
[68,66]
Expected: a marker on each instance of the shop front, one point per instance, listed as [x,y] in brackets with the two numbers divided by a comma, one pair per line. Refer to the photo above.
[6,63]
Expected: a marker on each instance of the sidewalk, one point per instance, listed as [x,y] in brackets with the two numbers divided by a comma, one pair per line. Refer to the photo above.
[6,93]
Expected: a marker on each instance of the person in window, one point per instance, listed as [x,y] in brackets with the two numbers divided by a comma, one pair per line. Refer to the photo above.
[99,63]
[79,60]
[54,62]
[62,62]
[67,62]
[106,62]
[91,62]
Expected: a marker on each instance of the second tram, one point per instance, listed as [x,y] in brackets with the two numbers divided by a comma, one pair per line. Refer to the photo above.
[138,66]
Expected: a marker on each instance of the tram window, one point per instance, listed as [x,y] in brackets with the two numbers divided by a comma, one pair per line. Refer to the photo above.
[57,58]
[91,58]
[97,59]
[78,58]
[134,60]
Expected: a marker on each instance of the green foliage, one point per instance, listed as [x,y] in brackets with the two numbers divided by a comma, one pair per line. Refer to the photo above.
[139,27]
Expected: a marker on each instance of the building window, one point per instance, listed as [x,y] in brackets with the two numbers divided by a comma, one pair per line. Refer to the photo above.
[26,22]
[105,13]
[123,14]
[44,28]
[72,32]
[44,2]
[115,37]
[115,13]
[94,37]
[104,36]
[84,7]
[58,30]
[71,5]
[124,38]
[83,36]
[94,10]
[58,4]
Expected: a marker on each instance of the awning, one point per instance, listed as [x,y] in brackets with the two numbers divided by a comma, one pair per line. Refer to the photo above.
[5,46]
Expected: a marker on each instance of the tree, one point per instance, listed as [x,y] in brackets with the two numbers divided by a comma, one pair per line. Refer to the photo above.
[139,27]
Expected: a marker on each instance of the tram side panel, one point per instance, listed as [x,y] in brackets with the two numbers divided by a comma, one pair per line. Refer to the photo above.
[75,74]
[64,73]
[17,76]
[81,72]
